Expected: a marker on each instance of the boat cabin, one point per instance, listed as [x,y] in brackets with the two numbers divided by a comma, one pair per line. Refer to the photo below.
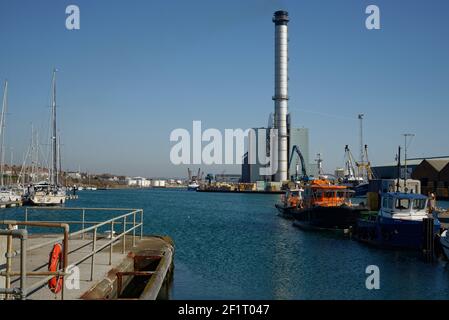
[323,193]
[407,206]
[292,198]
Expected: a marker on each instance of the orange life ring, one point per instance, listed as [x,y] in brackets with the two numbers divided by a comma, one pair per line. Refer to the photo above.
[55,283]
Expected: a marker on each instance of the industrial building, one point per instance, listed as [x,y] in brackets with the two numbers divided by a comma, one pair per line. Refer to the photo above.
[227,177]
[434,177]
[288,137]
[432,172]
[390,171]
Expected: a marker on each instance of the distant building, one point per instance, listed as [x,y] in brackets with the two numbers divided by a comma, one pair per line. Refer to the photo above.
[131,182]
[231,178]
[251,172]
[73,175]
[434,176]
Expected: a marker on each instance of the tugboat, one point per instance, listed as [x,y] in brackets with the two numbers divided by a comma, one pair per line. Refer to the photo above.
[326,206]
[398,223]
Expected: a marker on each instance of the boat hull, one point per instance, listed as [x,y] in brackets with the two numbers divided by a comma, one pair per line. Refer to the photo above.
[333,218]
[47,200]
[286,212]
[444,240]
[395,233]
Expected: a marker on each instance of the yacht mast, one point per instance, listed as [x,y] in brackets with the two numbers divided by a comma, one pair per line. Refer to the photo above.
[2,131]
[54,145]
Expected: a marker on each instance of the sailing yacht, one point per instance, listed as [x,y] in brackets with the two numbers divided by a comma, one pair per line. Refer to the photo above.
[8,194]
[50,193]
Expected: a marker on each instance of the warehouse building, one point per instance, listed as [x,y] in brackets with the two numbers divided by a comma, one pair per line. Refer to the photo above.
[434,176]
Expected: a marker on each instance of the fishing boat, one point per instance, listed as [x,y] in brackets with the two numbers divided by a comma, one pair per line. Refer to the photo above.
[359,182]
[444,240]
[398,223]
[325,206]
[290,202]
[49,193]
[193,186]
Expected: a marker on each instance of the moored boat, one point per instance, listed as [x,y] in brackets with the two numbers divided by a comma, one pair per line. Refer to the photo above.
[444,241]
[193,186]
[45,194]
[398,223]
[291,201]
[326,206]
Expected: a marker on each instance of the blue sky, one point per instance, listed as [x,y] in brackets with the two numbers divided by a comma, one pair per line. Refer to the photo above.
[136,70]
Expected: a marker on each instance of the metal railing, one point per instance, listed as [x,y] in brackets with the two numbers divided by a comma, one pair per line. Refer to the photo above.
[135,215]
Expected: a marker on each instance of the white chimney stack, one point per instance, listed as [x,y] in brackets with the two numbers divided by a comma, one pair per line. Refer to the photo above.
[280,98]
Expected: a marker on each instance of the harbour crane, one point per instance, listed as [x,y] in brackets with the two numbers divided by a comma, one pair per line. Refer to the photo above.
[296,150]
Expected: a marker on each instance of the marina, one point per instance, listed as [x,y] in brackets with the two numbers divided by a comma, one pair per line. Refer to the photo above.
[295,207]
[244,250]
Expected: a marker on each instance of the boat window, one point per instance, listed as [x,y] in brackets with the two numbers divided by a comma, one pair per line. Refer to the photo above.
[385,202]
[390,203]
[419,204]
[329,194]
[402,204]
[319,194]
[341,194]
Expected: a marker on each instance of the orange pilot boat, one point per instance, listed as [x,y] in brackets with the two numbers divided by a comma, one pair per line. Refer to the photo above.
[323,205]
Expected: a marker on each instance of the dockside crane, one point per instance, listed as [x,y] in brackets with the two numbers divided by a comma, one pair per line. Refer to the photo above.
[304,176]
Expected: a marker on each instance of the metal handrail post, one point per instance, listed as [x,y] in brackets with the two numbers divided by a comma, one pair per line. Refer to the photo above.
[141,224]
[8,262]
[83,225]
[112,242]
[23,269]
[124,235]
[94,244]
[134,228]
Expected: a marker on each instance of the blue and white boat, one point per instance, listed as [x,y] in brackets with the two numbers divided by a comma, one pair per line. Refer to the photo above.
[398,223]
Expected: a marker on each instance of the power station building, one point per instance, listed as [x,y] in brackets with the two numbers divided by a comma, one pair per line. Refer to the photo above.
[287,137]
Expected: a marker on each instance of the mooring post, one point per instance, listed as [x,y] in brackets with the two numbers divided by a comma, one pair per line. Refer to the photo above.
[429,248]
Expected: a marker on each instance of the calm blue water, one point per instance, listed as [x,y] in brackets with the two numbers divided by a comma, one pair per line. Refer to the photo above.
[234,246]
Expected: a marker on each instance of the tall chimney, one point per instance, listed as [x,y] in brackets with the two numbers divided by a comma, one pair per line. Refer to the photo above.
[280,98]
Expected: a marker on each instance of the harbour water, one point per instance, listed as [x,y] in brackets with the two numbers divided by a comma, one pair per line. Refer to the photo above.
[234,246]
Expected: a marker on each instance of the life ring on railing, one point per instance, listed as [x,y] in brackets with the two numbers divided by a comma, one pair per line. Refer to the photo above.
[55,283]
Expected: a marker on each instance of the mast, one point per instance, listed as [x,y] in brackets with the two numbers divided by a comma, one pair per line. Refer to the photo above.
[361,172]
[54,170]
[399,169]
[2,130]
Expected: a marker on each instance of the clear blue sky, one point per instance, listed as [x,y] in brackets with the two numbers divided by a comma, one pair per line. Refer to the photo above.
[139,69]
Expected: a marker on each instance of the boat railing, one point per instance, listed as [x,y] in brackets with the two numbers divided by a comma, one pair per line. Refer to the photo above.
[130,221]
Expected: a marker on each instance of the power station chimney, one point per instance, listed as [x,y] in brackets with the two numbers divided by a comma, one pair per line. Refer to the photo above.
[280,97]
